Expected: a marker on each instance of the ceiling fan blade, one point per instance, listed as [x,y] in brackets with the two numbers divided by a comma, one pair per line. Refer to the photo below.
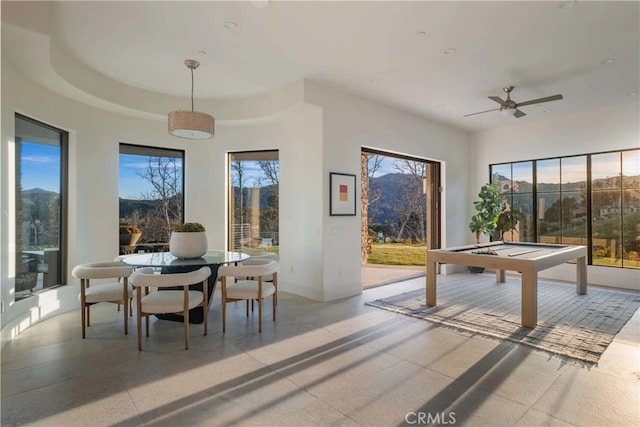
[497,99]
[540,100]
[517,114]
[480,112]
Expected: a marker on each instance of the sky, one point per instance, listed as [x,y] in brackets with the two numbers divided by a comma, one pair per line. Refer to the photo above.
[574,169]
[41,169]
[130,184]
[40,166]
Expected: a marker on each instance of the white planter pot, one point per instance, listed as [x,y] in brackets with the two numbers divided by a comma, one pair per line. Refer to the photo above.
[188,244]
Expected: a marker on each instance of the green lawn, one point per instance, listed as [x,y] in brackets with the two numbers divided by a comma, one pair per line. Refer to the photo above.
[398,254]
[415,254]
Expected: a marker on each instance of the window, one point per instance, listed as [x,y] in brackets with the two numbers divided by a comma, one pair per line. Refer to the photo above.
[151,193]
[561,197]
[516,184]
[616,208]
[591,200]
[254,200]
[41,176]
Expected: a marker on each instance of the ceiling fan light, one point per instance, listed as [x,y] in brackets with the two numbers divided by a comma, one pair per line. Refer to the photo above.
[507,111]
[191,125]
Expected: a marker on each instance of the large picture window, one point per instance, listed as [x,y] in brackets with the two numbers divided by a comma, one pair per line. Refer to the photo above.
[254,201]
[151,190]
[591,200]
[41,176]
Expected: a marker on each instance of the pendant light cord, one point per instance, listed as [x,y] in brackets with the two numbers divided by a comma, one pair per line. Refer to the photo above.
[192,90]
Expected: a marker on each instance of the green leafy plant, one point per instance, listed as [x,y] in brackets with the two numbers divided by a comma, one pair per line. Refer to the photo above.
[489,207]
[189,227]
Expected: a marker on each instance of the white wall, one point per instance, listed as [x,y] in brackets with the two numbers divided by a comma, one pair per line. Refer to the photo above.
[298,137]
[612,128]
[350,123]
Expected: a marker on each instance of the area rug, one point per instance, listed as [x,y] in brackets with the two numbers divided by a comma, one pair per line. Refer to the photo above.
[576,326]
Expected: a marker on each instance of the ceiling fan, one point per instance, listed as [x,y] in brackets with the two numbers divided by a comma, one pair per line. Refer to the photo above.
[510,107]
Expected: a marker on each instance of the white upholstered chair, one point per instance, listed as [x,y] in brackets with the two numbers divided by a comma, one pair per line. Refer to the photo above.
[115,291]
[252,286]
[269,278]
[170,300]
[262,255]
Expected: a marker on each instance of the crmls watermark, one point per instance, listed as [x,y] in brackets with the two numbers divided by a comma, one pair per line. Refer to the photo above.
[439,418]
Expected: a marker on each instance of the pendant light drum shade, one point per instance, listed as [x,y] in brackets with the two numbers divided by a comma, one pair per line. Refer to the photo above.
[191,124]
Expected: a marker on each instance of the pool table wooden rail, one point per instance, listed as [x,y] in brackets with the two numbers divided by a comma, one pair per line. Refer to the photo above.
[526,258]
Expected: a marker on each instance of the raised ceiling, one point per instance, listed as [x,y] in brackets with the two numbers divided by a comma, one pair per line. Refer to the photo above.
[439,60]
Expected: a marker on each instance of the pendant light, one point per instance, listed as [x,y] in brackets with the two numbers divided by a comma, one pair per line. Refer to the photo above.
[191,124]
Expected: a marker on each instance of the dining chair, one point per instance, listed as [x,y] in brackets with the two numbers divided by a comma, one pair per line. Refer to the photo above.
[262,255]
[162,301]
[252,286]
[115,290]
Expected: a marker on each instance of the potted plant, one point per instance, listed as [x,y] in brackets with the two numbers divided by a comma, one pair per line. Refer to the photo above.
[489,206]
[129,235]
[188,240]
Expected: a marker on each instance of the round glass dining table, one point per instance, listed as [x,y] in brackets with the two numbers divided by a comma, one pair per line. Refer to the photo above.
[169,264]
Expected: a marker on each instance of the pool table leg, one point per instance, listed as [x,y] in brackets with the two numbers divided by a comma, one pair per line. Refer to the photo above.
[431,282]
[529,303]
[581,278]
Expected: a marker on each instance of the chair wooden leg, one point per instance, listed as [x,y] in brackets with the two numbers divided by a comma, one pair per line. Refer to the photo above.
[247,304]
[274,301]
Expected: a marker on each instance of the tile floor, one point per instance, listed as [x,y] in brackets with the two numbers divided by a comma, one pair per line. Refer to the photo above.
[320,364]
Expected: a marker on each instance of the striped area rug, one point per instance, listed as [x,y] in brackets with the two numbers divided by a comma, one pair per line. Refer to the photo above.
[576,326]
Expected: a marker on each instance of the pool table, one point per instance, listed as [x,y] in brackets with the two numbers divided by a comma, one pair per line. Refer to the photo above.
[526,258]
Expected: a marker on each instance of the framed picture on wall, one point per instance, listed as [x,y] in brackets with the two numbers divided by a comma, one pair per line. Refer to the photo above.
[342,198]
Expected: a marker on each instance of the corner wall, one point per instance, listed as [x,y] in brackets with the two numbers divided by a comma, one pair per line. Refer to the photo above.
[350,123]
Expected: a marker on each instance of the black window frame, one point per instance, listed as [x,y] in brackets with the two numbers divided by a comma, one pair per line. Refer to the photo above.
[588,187]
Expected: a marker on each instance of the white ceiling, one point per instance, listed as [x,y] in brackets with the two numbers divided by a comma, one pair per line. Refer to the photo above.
[390,51]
